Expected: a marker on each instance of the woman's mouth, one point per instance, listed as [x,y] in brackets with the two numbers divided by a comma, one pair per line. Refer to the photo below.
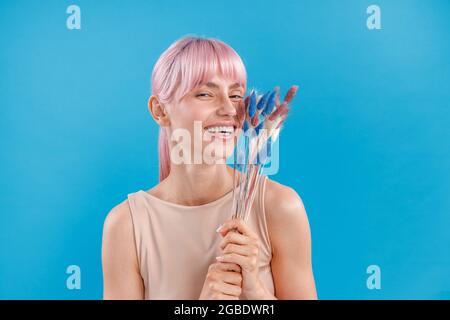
[221,132]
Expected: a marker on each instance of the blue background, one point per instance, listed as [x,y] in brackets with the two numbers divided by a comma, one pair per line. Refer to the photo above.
[366,144]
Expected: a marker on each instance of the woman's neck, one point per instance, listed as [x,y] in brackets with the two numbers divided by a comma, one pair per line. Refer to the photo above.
[195,184]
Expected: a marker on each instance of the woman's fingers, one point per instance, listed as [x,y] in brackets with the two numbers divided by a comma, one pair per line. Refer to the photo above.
[240,246]
[226,288]
[235,237]
[247,251]
[236,224]
[247,263]
[230,289]
[232,278]
[226,267]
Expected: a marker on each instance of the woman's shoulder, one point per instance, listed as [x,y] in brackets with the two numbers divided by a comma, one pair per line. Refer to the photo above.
[285,213]
[119,253]
[118,221]
[280,197]
[120,217]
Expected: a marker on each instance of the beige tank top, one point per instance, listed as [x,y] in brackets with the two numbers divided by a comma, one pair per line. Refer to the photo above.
[176,243]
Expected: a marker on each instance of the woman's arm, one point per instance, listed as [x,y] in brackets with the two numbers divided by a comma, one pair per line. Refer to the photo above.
[290,237]
[121,276]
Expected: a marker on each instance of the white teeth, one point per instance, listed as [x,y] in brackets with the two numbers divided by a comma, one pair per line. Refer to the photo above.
[221,129]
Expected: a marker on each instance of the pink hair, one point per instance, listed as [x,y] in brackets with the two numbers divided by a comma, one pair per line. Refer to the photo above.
[186,64]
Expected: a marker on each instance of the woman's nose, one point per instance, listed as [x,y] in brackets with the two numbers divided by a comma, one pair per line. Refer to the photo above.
[227,108]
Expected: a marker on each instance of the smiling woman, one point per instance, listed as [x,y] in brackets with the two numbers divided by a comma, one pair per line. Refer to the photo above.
[160,243]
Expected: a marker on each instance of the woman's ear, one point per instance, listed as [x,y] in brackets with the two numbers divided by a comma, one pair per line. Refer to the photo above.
[158,111]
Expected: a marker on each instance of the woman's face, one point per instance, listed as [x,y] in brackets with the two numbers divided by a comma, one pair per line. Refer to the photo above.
[204,122]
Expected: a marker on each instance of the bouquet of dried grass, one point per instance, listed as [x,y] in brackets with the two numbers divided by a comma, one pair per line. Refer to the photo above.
[261,116]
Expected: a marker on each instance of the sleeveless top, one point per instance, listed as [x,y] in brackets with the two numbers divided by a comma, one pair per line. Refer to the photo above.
[177,243]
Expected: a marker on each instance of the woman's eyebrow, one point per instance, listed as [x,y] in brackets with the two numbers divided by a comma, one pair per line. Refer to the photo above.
[216,86]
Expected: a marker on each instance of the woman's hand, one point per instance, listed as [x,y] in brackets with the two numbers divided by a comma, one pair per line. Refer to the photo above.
[223,282]
[240,245]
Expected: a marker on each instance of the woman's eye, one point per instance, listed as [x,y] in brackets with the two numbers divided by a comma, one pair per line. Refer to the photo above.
[203,94]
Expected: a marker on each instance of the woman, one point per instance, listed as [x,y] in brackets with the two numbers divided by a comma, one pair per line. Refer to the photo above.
[162,243]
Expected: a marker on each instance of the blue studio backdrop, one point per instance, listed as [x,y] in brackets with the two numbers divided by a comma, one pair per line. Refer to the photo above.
[366,145]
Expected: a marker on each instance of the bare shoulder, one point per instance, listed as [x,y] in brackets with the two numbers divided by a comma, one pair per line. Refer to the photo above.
[118,235]
[121,277]
[282,200]
[118,221]
[286,216]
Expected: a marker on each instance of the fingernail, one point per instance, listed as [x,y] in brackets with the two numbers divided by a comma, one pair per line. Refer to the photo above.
[219,258]
[219,228]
